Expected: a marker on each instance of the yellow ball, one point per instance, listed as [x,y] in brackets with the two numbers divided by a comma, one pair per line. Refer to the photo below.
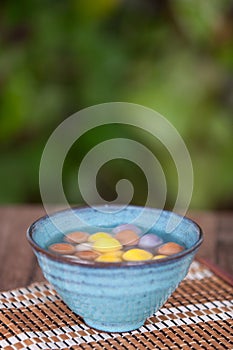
[109,257]
[137,255]
[159,257]
[104,245]
[116,253]
[98,235]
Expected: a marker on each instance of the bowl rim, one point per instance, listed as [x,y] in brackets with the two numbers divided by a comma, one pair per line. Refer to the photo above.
[123,264]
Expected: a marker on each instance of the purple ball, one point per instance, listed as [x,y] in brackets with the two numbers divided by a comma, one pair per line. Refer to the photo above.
[150,240]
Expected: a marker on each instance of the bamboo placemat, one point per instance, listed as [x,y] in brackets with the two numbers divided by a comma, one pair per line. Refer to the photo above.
[197,316]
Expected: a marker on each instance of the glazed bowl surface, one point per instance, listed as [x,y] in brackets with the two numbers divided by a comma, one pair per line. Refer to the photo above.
[114,297]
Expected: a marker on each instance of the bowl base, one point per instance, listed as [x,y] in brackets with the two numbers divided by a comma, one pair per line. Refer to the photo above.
[113,327]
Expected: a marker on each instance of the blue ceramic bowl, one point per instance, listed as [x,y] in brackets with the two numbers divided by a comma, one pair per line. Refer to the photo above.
[114,297]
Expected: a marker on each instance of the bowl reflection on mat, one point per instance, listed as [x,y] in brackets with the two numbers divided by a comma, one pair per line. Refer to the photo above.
[114,297]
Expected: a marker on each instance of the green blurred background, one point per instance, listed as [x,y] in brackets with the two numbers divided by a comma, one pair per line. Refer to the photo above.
[57,57]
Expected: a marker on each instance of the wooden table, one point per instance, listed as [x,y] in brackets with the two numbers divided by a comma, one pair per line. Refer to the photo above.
[18,265]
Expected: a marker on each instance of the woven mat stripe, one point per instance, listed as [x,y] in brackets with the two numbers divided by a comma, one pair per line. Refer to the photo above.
[198,315]
[46,324]
[41,292]
[195,336]
[44,292]
[58,314]
[187,297]
[208,289]
[31,289]
[196,271]
[37,292]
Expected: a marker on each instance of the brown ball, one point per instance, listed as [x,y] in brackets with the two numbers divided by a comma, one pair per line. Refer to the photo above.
[62,248]
[170,248]
[88,255]
[127,237]
[76,237]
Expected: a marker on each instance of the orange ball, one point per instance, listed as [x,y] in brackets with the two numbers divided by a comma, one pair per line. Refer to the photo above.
[170,248]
